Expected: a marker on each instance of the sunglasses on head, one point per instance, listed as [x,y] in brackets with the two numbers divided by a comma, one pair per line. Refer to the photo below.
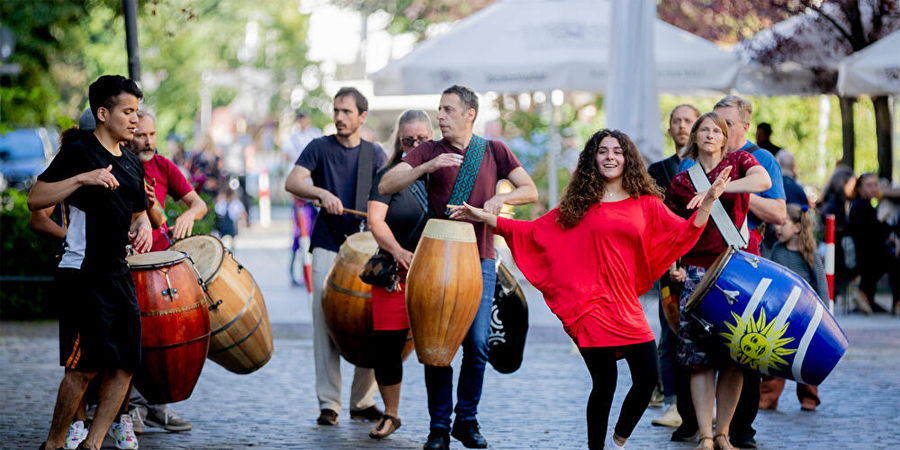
[413,140]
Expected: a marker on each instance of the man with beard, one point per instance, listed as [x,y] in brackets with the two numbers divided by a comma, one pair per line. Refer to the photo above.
[341,168]
[675,385]
[161,178]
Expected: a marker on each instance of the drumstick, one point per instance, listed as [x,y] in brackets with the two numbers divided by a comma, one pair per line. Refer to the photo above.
[344,211]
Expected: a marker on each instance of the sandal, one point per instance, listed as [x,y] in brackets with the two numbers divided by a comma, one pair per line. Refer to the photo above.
[703,447]
[727,446]
[379,431]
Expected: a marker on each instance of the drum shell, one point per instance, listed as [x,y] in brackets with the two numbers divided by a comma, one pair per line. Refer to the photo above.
[241,336]
[174,332]
[443,293]
[765,287]
[347,305]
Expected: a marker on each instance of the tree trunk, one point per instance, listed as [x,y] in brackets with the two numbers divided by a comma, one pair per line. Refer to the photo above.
[847,131]
[883,135]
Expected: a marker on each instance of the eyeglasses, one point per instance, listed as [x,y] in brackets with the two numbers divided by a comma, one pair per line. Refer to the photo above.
[413,140]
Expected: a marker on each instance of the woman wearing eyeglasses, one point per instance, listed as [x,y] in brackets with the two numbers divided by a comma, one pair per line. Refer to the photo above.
[396,222]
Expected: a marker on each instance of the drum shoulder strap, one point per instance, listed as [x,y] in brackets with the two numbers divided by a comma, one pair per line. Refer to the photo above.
[364,174]
[733,237]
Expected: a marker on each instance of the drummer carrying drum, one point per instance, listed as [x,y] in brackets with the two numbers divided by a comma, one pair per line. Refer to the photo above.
[592,257]
[696,349]
[101,186]
[462,167]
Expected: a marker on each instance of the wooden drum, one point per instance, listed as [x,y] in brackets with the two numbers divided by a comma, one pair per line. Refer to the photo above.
[347,302]
[241,339]
[443,290]
[174,326]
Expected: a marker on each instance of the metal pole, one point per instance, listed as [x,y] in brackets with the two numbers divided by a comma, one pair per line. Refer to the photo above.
[129,9]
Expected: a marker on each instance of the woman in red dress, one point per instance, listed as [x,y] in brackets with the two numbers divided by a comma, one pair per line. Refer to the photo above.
[697,351]
[593,256]
[396,222]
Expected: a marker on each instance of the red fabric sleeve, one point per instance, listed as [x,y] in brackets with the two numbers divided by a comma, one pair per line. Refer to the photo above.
[506,160]
[527,249]
[421,154]
[679,193]
[670,236]
[178,185]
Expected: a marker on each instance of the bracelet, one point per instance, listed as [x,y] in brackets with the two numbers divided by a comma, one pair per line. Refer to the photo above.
[708,211]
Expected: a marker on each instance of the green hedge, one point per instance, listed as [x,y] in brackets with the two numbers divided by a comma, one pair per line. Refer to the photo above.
[27,262]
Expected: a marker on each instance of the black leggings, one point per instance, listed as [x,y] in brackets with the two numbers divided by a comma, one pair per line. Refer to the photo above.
[601,363]
[388,356]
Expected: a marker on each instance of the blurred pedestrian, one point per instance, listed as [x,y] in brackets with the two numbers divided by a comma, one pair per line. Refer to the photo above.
[230,213]
[874,255]
[835,200]
[763,135]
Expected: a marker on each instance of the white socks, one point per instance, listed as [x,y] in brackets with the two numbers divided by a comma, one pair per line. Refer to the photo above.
[610,444]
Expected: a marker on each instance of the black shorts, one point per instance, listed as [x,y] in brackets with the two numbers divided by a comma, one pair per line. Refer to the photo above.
[100,322]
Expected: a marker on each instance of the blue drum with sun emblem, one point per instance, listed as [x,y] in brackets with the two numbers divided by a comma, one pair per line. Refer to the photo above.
[770,319]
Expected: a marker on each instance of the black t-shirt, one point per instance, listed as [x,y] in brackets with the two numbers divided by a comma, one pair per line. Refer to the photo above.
[97,218]
[333,167]
[404,214]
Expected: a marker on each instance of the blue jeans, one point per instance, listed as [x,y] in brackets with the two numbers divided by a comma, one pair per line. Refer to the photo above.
[439,380]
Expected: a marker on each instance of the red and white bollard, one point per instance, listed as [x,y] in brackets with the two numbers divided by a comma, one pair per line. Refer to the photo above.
[829,259]
[265,202]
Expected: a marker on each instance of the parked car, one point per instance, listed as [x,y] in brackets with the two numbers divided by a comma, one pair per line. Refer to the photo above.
[24,154]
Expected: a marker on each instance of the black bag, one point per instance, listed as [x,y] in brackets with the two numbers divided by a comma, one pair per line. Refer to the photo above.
[509,323]
[381,270]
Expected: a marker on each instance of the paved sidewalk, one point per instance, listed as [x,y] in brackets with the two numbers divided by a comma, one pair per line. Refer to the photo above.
[539,407]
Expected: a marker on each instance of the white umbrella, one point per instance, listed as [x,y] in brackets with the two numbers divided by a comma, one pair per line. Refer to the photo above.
[632,102]
[874,70]
[541,45]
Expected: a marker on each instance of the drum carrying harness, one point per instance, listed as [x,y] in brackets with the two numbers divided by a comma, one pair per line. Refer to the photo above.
[733,237]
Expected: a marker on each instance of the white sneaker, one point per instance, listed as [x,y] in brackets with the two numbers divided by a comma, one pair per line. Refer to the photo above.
[123,433]
[670,418]
[137,419]
[76,434]
[610,444]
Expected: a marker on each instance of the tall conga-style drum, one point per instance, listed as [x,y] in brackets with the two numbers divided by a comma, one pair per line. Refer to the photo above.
[241,338]
[174,325]
[443,290]
[347,302]
[770,319]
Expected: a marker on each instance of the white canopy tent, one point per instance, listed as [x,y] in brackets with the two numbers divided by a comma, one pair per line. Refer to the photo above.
[874,70]
[540,45]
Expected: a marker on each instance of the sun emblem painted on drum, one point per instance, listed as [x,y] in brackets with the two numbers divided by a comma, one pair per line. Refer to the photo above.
[757,343]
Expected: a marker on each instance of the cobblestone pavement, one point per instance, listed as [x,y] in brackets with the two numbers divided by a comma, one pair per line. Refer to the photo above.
[539,407]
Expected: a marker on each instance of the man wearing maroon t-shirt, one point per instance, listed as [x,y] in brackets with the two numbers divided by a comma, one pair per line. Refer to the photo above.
[442,160]
[161,178]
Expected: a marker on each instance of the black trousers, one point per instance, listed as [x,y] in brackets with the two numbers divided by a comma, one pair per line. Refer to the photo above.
[601,363]
[747,407]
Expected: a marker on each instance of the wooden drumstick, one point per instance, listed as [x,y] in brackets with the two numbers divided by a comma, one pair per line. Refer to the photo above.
[344,211]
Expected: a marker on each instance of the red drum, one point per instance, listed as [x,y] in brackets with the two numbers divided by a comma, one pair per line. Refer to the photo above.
[174,326]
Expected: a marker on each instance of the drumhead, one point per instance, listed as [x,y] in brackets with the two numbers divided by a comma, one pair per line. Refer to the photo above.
[153,260]
[706,283]
[449,230]
[359,247]
[207,252]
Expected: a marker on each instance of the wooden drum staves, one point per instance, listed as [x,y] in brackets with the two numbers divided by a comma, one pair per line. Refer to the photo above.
[241,338]
[443,290]
[174,326]
[347,302]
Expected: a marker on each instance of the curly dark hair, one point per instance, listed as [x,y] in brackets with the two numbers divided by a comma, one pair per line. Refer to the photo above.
[587,185]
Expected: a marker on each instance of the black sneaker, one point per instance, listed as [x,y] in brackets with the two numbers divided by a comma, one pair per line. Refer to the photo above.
[438,439]
[466,431]
[683,435]
[327,417]
[372,414]
[743,442]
